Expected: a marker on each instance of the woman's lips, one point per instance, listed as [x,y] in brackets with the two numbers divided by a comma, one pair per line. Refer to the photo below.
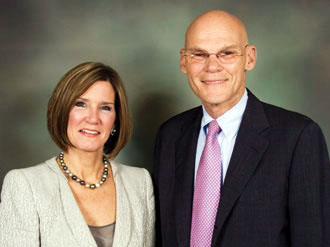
[89,132]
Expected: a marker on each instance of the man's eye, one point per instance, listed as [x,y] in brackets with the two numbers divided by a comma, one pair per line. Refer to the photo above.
[227,53]
[80,104]
[200,55]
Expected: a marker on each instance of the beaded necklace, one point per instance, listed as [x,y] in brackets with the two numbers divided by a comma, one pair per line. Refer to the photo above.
[82,182]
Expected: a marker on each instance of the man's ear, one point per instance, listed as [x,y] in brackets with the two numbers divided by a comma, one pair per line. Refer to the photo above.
[251,57]
[183,62]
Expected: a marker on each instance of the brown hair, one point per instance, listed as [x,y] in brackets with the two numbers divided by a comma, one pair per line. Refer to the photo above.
[71,86]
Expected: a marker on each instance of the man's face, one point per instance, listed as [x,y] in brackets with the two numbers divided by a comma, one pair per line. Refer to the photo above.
[217,82]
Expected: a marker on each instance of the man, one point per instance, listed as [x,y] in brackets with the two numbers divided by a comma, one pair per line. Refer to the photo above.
[236,171]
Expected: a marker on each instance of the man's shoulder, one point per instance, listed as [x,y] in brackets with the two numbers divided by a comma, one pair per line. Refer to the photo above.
[278,115]
[183,118]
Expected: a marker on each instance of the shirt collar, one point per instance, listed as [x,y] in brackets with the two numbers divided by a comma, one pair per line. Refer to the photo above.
[230,121]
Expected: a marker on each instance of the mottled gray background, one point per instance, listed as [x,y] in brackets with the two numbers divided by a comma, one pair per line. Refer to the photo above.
[41,40]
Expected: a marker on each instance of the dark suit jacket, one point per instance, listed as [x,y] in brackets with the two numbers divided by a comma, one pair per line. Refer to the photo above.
[276,191]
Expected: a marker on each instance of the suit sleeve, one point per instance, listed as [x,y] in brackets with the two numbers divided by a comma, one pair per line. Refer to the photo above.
[309,190]
[149,239]
[19,223]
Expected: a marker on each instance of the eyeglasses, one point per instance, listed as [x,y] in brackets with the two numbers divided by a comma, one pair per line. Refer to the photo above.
[226,56]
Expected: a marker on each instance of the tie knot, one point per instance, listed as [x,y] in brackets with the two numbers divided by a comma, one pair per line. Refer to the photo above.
[214,128]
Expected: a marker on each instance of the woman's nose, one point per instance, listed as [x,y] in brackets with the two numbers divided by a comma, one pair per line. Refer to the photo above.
[93,116]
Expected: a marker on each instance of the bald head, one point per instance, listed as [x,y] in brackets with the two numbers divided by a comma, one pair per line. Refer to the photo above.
[215,58]
[217,22]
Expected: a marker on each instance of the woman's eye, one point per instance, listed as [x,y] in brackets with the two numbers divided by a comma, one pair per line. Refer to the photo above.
[80,104]
[106,108]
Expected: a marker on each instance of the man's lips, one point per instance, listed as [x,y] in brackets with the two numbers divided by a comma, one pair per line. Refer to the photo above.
[214,81]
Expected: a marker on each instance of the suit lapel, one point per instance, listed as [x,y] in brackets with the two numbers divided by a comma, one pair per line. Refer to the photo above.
[248,150]
[184,176]
[72,213]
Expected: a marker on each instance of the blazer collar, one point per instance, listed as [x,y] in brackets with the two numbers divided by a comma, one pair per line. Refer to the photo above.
[123,210]
[75,219]
[72,212]
[249,147]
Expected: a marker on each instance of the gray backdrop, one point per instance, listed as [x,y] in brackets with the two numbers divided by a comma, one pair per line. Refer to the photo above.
[41,40]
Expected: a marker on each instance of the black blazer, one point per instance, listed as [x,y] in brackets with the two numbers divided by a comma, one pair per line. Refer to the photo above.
[276,191]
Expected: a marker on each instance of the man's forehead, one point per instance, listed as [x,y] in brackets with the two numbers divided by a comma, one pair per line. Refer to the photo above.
[214,39]
[215,30]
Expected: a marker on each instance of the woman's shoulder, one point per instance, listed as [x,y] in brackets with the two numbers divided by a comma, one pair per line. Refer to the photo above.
[42,171]
[41,167]
[119,168]
[130,174]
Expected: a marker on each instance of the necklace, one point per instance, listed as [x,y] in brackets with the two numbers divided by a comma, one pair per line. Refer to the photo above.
[82,182]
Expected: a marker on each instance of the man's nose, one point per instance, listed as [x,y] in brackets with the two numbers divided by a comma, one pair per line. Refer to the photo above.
[213,64]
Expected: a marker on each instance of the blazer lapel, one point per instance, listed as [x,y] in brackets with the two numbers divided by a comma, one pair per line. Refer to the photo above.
[123,214]
[74,217]
[248,150]
[184,177]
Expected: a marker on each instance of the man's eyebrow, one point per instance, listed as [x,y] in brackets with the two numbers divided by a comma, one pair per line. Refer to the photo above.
[231,47]
[197,49]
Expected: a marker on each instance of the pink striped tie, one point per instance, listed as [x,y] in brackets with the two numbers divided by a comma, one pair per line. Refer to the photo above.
[207,190]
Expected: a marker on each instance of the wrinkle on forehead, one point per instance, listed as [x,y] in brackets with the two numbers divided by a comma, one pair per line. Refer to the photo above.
[217,23]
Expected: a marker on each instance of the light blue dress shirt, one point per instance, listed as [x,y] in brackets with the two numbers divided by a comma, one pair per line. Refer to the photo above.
[229,123]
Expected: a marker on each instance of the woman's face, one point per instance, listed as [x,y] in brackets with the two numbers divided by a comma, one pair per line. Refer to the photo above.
[92,117]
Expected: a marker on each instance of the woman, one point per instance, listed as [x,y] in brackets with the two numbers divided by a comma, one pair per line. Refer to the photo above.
[81,197]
